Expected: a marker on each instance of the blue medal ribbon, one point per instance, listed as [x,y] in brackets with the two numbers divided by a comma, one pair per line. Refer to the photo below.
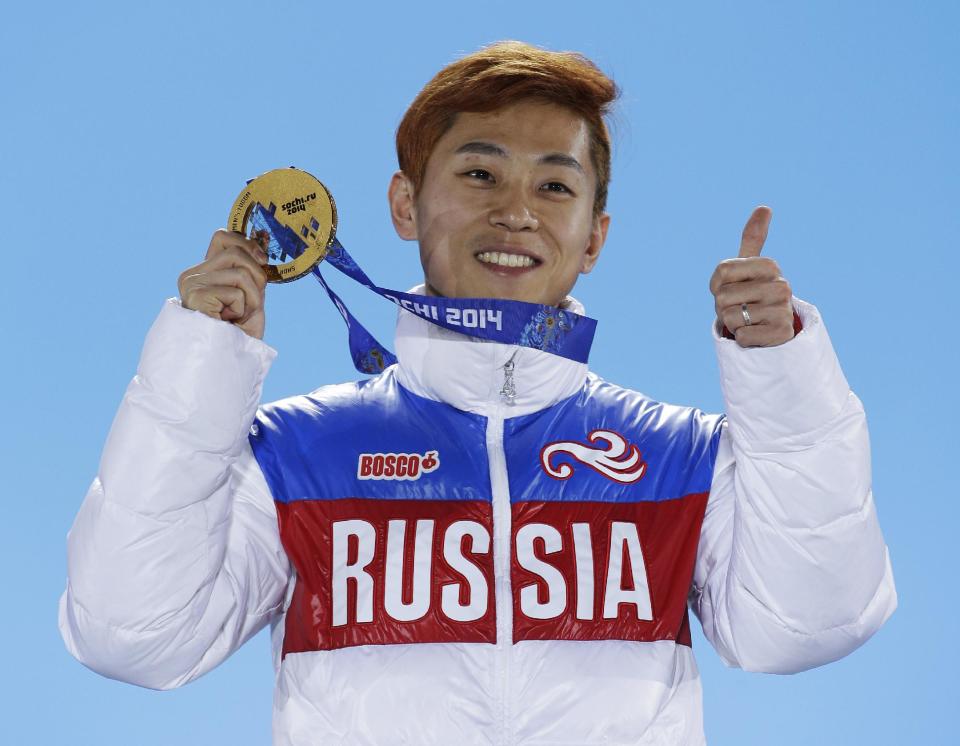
[534,325]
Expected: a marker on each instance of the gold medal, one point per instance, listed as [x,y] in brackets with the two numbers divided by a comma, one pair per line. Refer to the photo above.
[298,212]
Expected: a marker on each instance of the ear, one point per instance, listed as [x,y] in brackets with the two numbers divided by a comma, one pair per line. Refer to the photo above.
[402,206]
[598,236]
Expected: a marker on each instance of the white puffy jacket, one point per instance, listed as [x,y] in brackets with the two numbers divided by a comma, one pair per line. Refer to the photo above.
[501,629]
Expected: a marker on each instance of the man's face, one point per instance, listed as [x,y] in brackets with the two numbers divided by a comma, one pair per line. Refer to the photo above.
[505,209]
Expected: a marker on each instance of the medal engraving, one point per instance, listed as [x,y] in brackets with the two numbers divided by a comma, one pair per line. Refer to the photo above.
[298,213]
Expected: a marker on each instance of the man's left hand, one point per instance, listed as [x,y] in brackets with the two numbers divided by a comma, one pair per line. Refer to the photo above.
[751,297]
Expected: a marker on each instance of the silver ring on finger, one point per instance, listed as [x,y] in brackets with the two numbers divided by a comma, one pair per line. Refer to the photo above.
[746,314]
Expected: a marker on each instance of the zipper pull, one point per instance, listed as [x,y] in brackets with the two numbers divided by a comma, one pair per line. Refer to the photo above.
[509,391]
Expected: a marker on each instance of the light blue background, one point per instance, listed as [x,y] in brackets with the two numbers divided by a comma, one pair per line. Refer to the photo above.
[128,129]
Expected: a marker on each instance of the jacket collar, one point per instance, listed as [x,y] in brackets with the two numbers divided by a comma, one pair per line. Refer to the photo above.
[468,373]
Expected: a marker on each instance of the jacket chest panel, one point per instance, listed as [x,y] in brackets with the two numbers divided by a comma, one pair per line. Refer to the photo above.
[373,571]
[409,521]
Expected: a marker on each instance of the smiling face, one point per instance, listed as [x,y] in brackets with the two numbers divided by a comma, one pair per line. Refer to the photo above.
[505,209]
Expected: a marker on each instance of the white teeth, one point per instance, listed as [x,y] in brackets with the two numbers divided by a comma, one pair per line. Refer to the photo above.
[503,259]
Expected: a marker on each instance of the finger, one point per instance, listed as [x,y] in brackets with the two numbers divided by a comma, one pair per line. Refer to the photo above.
[225,303]
[742,270]
[756,315]
[733,317]
[224,239]
[767,292]
[237,277]
[235,257]
[200,288]
[253,324]
[763,335]
[755,232]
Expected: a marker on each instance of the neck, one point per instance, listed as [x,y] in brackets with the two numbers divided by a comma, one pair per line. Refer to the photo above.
[474,375]
[563,303]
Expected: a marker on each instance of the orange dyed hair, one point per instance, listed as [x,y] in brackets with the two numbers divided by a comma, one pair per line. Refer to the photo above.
[499,75]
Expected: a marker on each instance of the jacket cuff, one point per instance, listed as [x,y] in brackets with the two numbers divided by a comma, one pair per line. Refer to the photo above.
[785,391]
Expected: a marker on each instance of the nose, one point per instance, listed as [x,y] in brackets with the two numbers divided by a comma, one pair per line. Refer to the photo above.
[511,212]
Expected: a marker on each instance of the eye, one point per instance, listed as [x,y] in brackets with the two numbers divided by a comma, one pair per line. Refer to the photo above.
[556,187]
[479,173]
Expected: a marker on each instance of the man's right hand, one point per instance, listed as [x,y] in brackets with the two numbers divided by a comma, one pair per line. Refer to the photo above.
[230,283]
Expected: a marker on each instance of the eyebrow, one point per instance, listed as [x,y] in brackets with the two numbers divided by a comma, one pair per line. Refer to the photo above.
[562,159]
[482,148]
[488,148]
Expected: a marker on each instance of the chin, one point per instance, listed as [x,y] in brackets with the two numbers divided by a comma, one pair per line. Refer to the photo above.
[495,291]
[529,296]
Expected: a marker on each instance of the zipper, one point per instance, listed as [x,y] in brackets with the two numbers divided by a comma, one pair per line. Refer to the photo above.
[508,392]
[502,529]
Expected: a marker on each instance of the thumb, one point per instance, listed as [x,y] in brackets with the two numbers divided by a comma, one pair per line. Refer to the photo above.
[755,232]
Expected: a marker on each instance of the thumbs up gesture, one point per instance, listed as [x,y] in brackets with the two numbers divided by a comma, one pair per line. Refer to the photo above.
[752,299]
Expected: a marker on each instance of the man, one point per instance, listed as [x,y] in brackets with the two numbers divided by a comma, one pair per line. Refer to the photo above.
[486,544]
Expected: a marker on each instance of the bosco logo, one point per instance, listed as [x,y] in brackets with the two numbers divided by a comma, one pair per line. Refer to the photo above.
[406,466]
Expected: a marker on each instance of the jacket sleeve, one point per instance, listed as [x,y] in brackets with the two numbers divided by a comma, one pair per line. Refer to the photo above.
[174,559]
[792,570]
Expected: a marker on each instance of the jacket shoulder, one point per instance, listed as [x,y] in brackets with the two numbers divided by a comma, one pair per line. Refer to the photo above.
[639,411]
[681,442]
[321,406]
[617,432]
[314,445]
